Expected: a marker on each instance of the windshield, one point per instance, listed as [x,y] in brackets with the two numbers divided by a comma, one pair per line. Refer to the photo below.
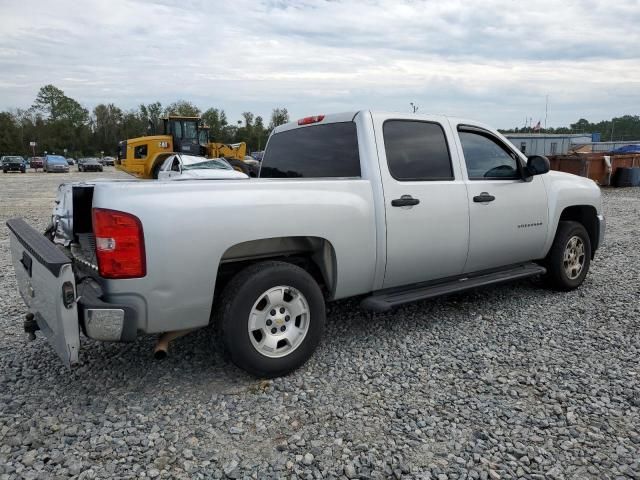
[13,159]
[190,130]
[56,159]
[194,163]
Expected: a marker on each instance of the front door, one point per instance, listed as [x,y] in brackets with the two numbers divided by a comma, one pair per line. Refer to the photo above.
[508,215]
[425,198]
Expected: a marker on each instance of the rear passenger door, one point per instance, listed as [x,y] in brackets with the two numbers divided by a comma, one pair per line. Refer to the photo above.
[426,206]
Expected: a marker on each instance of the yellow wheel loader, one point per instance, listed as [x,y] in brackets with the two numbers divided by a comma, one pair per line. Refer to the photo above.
[143,156]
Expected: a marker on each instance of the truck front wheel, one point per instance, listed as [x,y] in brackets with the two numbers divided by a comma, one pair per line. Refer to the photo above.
[569,259]
[271,318]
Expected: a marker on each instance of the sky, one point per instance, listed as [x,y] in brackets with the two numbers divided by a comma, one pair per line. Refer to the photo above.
[494,61]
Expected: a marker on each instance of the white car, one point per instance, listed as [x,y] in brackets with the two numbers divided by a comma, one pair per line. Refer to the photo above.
[188,167]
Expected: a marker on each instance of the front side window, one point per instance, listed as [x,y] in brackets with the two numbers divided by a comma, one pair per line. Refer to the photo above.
[416,150]
[316,151]
[486,158]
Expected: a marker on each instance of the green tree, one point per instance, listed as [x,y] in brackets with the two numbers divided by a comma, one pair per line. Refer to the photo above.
[48,102]
[617,129]
[260,134]
[55,105]
[216,120]
[107,120]
[182,107]
[151,114]
[248,119]
[279,116]
[9,134]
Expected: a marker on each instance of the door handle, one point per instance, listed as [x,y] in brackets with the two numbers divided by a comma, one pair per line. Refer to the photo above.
[484,197]
[405,201]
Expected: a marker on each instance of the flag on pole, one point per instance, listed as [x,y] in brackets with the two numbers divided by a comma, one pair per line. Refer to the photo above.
[537,127]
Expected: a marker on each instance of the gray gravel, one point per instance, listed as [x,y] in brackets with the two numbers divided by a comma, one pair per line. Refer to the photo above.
[511,382]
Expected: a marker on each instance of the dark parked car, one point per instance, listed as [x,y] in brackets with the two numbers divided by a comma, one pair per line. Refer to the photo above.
[71,161]
[13,163]
[89,165]
[55,163]
[36,162]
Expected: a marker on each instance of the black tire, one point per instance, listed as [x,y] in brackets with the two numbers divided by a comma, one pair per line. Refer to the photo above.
[237,301]
[557,276]
[156,170]
[240,166]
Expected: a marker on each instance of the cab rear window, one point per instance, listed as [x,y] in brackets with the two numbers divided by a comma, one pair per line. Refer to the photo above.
[317,151]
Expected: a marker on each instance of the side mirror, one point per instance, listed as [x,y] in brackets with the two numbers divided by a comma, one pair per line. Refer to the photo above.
[537,165]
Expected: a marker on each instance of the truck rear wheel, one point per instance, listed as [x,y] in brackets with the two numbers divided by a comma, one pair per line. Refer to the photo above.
[271,318]
[569,259]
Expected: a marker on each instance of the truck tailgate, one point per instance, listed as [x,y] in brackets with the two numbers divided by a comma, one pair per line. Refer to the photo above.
[47,285]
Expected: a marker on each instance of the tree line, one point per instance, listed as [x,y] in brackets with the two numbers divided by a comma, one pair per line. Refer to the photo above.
[625,128]
[57,122]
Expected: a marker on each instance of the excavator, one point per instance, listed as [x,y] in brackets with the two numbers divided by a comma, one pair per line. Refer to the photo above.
[143,156]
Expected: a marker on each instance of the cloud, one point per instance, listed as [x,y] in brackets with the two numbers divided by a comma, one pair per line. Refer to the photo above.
[494,60]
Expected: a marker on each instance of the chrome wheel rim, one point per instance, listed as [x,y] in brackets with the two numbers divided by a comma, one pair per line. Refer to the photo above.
[574,257]
[279,321]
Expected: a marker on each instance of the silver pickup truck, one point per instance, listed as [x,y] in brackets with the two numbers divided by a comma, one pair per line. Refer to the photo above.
[390,207]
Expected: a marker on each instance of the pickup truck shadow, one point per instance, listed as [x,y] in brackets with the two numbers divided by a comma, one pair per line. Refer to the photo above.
[196,362]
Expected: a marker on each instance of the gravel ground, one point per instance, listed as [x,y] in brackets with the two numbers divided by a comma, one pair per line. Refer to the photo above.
[511,382]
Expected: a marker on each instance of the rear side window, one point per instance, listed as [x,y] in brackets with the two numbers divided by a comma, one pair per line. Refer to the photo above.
[417,150]
[313,152]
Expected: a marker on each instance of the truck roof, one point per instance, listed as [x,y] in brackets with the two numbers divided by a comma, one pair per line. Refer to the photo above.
[329,118]
[349,116]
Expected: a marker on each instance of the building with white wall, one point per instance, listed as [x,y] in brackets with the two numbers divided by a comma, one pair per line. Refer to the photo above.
[547,143]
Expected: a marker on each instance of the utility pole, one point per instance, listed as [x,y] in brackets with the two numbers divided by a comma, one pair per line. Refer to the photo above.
[546,111]
[613,125]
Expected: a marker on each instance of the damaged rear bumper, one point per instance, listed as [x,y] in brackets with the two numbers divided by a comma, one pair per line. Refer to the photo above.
[60,300]
[100,320]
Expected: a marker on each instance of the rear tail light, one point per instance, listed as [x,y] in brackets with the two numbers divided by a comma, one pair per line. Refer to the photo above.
[119,244]
[309,120]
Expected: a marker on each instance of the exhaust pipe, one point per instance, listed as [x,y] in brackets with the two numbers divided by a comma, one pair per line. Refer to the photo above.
[161,350]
